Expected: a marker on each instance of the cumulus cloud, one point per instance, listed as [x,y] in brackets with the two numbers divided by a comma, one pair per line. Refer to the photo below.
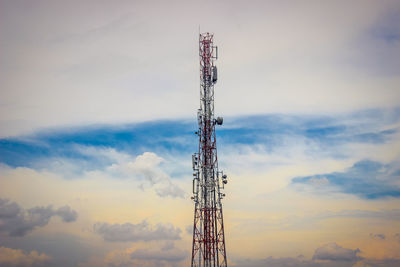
[334,252]
[146,166]
[16,221]
[15,257]
[143,231]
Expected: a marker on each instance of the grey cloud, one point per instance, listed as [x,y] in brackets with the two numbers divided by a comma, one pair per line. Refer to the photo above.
[189,229]
[168,245]
[143,231]
[388,262]
[334,252]
[291,222]
[19,258]
[67,214]
[301,262]
[328,255]
[15,221]
[397,236]
[157,254]
[170,189]
[377,236]
[277,262]
[393,214]
[170,255]
[7,209]
[65,249]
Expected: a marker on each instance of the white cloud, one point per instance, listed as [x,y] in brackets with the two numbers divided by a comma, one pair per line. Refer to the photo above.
[146,167]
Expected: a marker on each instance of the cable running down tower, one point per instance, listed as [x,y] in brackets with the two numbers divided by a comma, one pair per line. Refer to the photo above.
[208,249]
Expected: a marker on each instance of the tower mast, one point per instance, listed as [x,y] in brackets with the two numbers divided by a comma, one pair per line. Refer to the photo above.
[208,249]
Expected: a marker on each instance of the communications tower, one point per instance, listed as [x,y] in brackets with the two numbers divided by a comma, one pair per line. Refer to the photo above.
[208,249]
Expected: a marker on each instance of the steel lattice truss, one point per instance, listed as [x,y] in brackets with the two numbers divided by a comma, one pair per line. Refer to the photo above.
[208,230]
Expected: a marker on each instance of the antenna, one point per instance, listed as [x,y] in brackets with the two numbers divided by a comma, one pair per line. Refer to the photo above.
[208,249]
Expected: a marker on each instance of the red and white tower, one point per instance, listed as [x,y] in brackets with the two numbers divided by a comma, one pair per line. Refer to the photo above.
[208,248]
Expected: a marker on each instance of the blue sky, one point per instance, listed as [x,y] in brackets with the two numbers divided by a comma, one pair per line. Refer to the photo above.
[177,136]
[98,105]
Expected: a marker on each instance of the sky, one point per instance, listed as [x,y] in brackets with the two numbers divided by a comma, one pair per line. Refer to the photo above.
[98,104]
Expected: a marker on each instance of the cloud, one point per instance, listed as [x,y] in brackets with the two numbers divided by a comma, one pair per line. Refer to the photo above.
[67,214]
[331,256]
[296,222]
[161,254]
[143,231]
[299,261]
[146,166]
[334,252]
[328,255]
[397,236]
[257,142]
[189,229]
[385,262]
[72,160]
[15,257]
[377,236]
[96,146]
[338,65]
[16,221]
[92,146]
[120,169]
[170,255]
[367,179]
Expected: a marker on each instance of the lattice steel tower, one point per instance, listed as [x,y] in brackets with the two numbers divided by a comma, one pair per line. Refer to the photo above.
[208,248]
